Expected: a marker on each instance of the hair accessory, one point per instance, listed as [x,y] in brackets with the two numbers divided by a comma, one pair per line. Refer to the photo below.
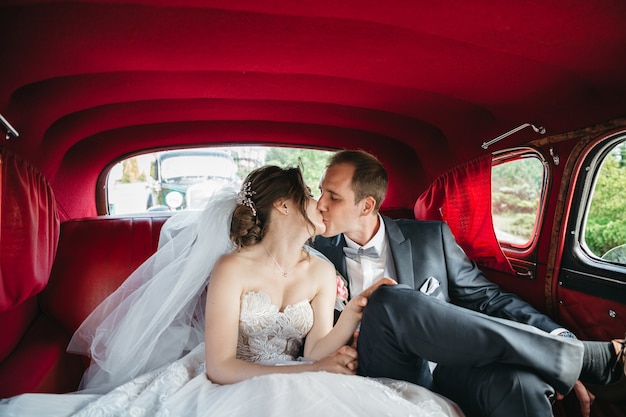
[244,197]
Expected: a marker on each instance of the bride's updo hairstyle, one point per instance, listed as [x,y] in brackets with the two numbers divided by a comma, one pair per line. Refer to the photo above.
[261,188]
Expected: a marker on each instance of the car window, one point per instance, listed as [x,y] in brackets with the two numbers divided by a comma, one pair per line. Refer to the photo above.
[517,181]
[604,228]
[181,179]
[197,165]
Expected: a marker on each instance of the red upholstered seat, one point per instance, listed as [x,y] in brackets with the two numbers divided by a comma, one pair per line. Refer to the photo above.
[39,363]
[94,257]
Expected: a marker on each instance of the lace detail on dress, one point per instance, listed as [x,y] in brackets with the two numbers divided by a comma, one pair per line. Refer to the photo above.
[145,396]
[269,335]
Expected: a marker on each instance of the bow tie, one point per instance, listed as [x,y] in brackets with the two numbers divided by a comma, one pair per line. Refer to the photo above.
[357,254]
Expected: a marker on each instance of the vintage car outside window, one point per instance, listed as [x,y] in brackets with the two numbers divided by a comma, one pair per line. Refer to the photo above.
[518,186]
[180,179]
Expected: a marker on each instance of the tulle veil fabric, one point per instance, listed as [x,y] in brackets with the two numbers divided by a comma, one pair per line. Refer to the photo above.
[157,315]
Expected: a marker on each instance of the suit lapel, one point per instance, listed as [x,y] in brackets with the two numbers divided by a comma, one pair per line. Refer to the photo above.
[400,251]
[336,256]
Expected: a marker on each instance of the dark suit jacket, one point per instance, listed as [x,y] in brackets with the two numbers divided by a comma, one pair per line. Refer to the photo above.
[424,249]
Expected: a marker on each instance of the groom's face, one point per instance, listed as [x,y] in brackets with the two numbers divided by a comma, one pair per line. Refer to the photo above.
[336,203]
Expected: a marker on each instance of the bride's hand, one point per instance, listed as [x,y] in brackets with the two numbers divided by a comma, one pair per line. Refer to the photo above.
[343,361]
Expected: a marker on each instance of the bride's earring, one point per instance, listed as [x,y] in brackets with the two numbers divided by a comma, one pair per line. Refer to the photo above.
[286,209]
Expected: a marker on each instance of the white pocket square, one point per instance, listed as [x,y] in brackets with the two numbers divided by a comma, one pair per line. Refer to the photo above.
[430,286]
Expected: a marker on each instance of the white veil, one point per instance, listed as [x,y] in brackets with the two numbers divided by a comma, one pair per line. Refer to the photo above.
[157,314]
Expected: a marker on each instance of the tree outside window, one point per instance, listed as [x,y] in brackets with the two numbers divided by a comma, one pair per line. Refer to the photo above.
[516,189]
[605,227]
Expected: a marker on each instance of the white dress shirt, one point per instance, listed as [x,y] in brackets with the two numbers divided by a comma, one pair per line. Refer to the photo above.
[365,271]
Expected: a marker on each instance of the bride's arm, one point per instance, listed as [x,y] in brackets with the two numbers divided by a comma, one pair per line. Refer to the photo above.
[323,340]
[222,330]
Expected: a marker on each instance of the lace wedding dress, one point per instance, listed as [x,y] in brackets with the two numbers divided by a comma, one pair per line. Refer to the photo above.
[266,335]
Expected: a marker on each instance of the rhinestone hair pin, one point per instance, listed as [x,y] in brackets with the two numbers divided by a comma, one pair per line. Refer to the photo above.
[244,195]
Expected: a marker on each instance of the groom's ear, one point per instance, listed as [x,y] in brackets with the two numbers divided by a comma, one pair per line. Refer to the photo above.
[369,204]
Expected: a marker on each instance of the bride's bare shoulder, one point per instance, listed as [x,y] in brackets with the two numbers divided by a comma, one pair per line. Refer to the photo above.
[233,259]
[231,272]
[322,265]
[237,261]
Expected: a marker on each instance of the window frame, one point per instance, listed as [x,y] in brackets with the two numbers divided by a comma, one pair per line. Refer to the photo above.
[578,271]
[592,161]
[528,251]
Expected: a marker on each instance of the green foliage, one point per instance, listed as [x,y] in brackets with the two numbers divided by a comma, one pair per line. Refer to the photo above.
[516,186]
[517,224]
[516,190]
[312,162]
[509,201]
[606,220]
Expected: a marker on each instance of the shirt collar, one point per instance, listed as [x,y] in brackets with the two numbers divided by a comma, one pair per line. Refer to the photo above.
[378,241]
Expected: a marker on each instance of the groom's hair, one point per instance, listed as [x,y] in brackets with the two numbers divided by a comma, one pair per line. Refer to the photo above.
[370,177]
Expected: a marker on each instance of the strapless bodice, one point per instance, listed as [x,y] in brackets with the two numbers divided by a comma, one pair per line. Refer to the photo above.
[267,334]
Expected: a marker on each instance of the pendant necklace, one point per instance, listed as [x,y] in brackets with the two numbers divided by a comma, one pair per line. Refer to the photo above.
[285,273]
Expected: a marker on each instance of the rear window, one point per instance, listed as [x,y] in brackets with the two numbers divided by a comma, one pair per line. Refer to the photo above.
[182,179]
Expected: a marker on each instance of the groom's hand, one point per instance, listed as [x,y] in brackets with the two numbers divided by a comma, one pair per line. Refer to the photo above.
[383,281]
[361,299]
[354,309]
[585,398]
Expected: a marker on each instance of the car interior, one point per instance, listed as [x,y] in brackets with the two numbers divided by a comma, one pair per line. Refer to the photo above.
[466,104]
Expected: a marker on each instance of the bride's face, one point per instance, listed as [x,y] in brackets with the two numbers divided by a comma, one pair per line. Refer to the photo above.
[315,216]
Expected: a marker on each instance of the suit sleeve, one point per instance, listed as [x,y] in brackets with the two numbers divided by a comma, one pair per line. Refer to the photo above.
[468,287]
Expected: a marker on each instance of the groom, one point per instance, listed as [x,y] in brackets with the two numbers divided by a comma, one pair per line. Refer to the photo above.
[488,365]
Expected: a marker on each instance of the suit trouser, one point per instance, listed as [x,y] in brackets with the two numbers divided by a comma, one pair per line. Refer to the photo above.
[489,366]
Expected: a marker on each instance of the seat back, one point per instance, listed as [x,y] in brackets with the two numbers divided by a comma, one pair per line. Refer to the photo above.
[95,256]
[29,231]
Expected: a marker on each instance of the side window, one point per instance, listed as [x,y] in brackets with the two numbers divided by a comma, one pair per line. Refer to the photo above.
[182,179]
[518,181]
[604,227]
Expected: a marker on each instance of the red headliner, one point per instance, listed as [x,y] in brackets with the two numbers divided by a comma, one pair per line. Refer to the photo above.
[85,82]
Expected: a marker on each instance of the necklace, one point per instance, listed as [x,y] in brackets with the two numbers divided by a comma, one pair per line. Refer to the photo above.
[285,273]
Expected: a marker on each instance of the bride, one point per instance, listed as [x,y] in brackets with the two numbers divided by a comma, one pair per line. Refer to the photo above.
[257,338]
